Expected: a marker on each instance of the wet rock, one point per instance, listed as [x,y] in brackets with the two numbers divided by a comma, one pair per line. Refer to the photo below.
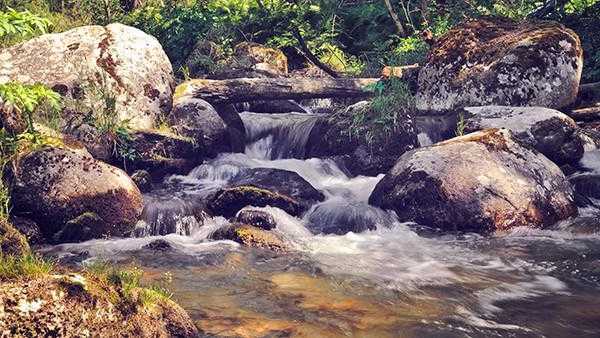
[279,181]
[257,218]
[549,131]
[121,60]
[12,242]
[227,202]
[587,188]
[81,305]
[251,236]
[341,216]
[61,187]
[334,137]
[142,180]
[30,229]
[496,61]
[159,245]
[159,153]
[482,182]
[198,120]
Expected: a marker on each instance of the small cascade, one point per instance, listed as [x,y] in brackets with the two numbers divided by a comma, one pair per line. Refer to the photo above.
[277,136]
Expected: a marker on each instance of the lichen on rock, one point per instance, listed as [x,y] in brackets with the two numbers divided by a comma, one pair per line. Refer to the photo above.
[496,61]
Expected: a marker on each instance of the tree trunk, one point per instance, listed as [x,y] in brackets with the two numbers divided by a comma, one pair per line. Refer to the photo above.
[253,89]
[395,17]
[311,57]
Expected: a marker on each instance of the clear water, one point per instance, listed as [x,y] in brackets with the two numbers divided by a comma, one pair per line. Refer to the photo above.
[397,280]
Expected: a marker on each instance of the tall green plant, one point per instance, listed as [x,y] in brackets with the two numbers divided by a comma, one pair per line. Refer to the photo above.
[18,25]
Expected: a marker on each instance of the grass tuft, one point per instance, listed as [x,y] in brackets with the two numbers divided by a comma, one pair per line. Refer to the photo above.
[26,266]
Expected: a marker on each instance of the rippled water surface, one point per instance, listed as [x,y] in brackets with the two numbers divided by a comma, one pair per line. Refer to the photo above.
[396,280]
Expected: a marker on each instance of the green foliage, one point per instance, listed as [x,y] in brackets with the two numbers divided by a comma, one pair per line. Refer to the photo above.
[578,6]
[18,25]
[29,99]
[377,122]
[27,266]
[460,125]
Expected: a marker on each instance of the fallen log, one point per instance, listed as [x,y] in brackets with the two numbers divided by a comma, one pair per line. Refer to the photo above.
[585,114]
[254,89]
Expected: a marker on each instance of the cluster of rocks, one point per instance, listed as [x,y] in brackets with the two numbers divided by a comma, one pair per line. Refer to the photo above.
[500,84]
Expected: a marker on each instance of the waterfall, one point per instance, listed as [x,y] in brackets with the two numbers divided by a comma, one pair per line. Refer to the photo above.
[277,136]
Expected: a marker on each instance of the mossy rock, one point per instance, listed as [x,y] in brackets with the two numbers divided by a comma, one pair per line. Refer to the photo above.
[55,186]
[12,242]
[227,202]
[251,236]
[82,305]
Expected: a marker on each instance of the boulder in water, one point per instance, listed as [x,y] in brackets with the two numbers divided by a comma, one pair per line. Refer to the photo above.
[587,188]
[121,61]
[341,216]
[482,182]
[227,202]
[358,152]
[159,245]
[198,120]
[496,61]
[142,180]
[56,187]
[549,131]
[251,236]
[255,217]
[279,181]
[159,153]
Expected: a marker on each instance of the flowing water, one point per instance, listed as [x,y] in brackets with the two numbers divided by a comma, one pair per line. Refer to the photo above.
[395,280]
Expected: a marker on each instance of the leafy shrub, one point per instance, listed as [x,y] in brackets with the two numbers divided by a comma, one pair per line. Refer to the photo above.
[377,122]
[16,26]
[29,99]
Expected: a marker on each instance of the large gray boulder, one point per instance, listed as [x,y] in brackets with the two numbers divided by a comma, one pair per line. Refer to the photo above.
[483,182]
[549,131]
[73,197]
[121,61]
[496,61]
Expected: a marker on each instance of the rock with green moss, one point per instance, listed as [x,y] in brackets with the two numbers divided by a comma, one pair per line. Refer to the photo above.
[160,153]
[227,202]
[251,236]
[363,140]
[29,229]
[82,305]
[497,61]
[12,242]
[59,188]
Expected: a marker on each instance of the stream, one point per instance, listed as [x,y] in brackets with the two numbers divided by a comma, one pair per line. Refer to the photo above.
[396,280]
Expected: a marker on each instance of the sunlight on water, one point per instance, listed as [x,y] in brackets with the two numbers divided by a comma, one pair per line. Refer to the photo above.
[386,279]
